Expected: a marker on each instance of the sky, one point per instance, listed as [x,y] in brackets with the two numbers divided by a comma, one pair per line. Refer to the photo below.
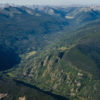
[52,2]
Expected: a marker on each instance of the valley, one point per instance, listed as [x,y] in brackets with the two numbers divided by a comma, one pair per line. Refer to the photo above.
[49,53]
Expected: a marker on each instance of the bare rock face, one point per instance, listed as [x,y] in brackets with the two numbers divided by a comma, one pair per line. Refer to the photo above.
[22,98]
[2,95]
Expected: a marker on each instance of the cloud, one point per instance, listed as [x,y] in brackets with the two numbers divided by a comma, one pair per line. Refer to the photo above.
[51,2]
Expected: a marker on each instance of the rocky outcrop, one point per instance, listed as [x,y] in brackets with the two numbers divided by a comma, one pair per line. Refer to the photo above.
[2,95]
[22,98]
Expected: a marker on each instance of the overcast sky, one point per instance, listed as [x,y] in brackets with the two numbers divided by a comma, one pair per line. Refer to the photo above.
[52,2]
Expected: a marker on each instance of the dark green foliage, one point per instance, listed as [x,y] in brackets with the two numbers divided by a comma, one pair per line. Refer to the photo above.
[8,58]
[20,30]
[66,62]
[86,53]
[15,90]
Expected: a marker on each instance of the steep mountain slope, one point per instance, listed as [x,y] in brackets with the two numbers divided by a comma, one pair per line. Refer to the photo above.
[23,28]
[86,53]
[15,90]
[71,72]
[74,15]
[47,54]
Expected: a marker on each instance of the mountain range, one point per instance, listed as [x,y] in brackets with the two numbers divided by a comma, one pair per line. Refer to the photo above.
[51,52]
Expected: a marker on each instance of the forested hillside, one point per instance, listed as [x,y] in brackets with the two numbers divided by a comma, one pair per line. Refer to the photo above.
[51,52]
